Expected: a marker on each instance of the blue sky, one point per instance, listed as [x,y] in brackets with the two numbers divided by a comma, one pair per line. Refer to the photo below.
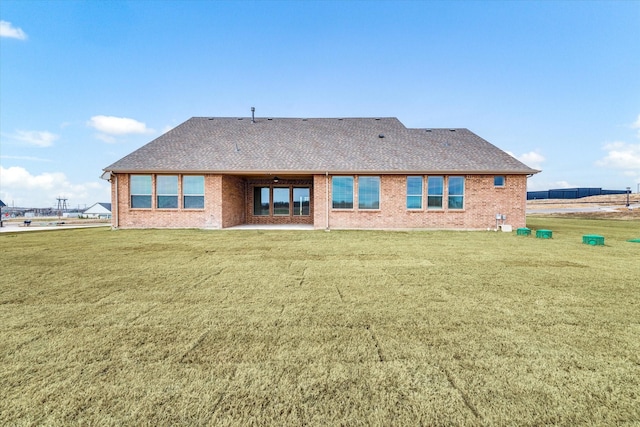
[83,83]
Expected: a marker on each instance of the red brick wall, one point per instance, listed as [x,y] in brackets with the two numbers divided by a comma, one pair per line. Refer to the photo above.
[229,202]
[233,201]
[482,201]
[125,217]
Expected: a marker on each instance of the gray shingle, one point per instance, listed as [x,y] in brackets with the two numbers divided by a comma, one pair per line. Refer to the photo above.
[316,145]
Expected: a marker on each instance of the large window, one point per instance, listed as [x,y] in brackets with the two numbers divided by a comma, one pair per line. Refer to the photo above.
[193,192]
[369,192]
[342,191]
[261,200]
[414,192]
[141,191]
[167,191]
[456,192]
[300,201]
[435,191]
[281,201]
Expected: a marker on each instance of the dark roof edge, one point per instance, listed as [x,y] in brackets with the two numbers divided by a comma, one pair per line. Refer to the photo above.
[330,172]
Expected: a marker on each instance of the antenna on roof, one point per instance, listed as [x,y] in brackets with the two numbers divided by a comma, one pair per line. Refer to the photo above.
[253,117]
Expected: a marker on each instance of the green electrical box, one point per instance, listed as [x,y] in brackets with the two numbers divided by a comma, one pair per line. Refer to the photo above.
[544,234]
[593,240]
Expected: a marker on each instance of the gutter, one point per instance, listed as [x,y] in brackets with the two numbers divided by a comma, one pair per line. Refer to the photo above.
[115,218]
[108,176]
[336,172]
[326,190]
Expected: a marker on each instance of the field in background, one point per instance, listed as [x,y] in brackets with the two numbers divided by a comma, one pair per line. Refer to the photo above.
[161,327]
[611,206]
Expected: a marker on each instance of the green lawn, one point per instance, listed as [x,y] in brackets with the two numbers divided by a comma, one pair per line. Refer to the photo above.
[166,327]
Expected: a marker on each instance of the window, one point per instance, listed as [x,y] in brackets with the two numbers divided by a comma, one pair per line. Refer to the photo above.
[414,192]
[261,200]
[167,191]
[193,192]
[281,201]
[369,192]
[498,181]
[456,192]
[141,191]
[300,201]
[342,192]
[435,192]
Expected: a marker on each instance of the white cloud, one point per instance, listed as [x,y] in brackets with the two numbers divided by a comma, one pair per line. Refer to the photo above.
[621,155]
[30,158]
[118,125]
[34,137]
[23,189]
[105,138]
[562,184]
[532,159]
[8,30]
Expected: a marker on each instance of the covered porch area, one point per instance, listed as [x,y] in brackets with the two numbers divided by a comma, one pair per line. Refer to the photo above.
[269,200]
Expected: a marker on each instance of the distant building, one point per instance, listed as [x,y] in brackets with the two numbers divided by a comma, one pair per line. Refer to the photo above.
[571,193]
[98,210]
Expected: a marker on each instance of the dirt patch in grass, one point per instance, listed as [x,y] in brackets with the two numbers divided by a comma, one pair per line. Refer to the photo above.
[611,207]
[169,327]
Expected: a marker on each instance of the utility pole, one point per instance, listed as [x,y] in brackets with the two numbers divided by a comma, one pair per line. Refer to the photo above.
[62,206]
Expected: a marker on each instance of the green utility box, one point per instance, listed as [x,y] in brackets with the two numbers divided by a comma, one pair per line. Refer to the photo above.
[544,234]
[593,240]
[524,231]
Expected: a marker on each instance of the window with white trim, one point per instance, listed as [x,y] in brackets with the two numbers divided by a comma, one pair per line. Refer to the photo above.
[140,188]
[167,191]
[368,192]
[456,192]
[342,192]
[193,191]
[435,192]
[414,192]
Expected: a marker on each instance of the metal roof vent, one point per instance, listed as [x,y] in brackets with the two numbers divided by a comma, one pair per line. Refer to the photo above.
[381,135]
[452,130]
[428,130]
[253,116]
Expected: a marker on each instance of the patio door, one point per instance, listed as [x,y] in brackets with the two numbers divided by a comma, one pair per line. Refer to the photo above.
[281,203]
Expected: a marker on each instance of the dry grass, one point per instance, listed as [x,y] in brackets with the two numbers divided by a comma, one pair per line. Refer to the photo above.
[342,328]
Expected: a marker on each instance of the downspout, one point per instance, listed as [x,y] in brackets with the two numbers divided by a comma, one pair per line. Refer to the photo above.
[117,207]
[326,188]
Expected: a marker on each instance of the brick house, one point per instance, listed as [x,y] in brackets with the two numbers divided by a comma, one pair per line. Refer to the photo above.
[365,173]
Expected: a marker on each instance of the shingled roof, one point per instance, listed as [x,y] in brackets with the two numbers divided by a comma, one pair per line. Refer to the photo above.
[316,145]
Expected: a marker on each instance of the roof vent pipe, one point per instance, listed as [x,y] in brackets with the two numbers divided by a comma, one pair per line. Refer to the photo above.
[253,117]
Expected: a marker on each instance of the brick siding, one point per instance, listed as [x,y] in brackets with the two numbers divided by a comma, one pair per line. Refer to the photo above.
[482,201]
[229,202]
